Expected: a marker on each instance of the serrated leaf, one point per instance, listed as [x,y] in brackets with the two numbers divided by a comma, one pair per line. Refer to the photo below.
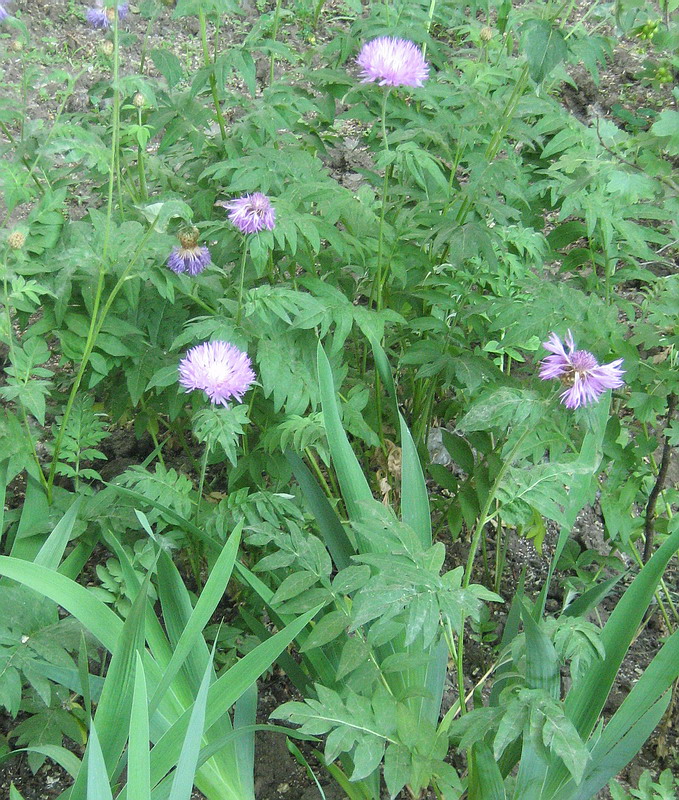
[544,46]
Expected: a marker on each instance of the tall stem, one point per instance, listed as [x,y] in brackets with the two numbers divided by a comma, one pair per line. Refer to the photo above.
[430,19]
[141,155]
[203,470]
[95,328]
[207,60]
[12,351]
[483,516]
[317,12]
[274,34]
[91,333]
[494,145]
[379,277]
[242,281]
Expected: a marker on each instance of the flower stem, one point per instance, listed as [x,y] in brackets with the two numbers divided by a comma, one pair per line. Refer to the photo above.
[317,13]
[213,81]
[92,332]
[201,483]
[24,416]
[96,325]
[274,34]
[242,280]
[483,516]
[494,145]
[430,19]
[380,278]
[141,155]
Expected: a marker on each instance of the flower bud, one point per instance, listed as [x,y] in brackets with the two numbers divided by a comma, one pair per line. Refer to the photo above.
[106,47]
[486,33]
[17,45]
[16,240]
[189,237]
[138,100]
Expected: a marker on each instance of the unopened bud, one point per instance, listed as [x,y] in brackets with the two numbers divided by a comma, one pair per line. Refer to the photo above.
[189,238]
[17,45]
[110,14]
[107,47]
[16,240]
[139,100]
[486,33]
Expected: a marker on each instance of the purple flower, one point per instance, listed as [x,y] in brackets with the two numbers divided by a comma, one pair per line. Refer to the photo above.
[4,13]
[219,369]
[189,256]
[579,371]
[392,62]
[100,17]
[251,213]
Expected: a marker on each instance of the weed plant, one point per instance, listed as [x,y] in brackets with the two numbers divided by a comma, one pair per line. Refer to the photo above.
[375,304]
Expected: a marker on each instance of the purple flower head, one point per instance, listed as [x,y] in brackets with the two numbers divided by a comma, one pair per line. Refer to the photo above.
[392,62]
[251,213]
[189,256]
[579,371]
[100,17]
[4,13]
[219,369]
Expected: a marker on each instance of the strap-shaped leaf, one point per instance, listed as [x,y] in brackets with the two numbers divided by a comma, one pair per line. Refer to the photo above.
[415,510]
[334,535]
[485,779]
[138,757]
[354,486]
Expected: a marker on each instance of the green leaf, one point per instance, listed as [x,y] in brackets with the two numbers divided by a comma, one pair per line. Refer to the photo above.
[169,66]
[560,736]
[414,498]
[667,126]
[334,535]
[502,408]
[138,761]
[544,46]
[98,787]
[182,785]
[224,692]
[294,585]
[486,780]
[397,760]
[326,629]
[208,600]
[355,489]
[51,552]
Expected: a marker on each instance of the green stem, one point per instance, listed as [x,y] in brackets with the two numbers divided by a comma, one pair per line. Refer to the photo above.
[317,13]
[319,474]
[24,416]
[95,328]
[242,281]
[483,517]
[274,34]
[213,81]
[494,145]
[430,19]
[379,277]
[24,160]
[203,470]
[144,46]
[141,155]
[91,334]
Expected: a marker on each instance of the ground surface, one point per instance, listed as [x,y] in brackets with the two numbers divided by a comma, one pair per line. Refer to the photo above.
[60,40]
